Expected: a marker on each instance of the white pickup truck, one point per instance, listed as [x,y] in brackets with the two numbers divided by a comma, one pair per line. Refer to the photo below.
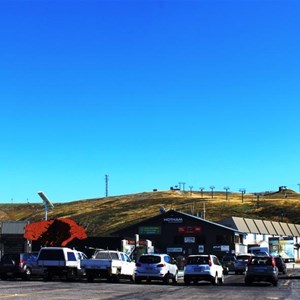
[112,265]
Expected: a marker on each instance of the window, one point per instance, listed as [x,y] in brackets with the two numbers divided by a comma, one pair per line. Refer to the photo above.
[149,259]
[197,260]
[52,255]
[71,256]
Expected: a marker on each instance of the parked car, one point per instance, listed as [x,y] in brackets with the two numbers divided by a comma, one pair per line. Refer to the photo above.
[261,268]
[280,264]
[241,263]
[203,267]
[60,261]
[156,267]
[23,265]
[228,262]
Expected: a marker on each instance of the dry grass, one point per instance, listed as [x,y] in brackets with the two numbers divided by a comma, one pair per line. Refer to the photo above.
[102,216]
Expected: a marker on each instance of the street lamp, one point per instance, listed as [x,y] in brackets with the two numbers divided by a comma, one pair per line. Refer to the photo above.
[47,203]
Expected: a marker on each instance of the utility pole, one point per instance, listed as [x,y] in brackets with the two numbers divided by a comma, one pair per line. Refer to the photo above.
[212,191]
[106,185]
[183,185]
[243,191]
[201,189]
[226,188]
[191,188]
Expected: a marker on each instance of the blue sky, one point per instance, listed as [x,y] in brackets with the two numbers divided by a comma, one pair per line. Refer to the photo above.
[151,93]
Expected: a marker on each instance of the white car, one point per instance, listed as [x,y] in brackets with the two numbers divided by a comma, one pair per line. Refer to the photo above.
[203,267]
[156,267]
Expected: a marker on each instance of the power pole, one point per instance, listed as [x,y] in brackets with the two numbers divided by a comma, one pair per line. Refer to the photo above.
[201,189]
[226,188]
[243,191]
[212,190]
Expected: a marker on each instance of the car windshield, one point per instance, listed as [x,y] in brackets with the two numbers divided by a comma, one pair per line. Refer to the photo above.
[198,260]
[261,261]
[149,259]
[242,257]
[228,258]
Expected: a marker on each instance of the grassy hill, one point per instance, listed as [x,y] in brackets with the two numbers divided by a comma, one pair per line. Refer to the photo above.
[102,216]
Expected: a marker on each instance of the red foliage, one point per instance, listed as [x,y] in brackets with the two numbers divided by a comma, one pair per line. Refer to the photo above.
[58,232]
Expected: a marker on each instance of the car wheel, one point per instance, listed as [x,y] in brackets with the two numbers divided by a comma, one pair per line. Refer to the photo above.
[27,274]
[215,280]
[47,276]
[166,278]
[3,277]
[137,280]
[187,281]
[175,278]
[90,277]
[221,279]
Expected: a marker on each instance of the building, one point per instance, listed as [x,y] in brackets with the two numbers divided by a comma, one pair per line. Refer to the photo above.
[181,234]
[280,238]
[12,237]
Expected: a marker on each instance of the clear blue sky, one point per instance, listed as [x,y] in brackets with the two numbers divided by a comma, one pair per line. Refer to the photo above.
[151,93]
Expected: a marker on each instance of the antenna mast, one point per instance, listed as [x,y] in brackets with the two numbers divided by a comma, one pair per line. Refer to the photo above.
[106,185]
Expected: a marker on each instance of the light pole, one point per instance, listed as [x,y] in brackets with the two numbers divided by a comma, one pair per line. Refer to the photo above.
[212,190]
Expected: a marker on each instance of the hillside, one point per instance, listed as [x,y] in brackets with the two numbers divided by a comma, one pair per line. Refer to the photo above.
[102,216]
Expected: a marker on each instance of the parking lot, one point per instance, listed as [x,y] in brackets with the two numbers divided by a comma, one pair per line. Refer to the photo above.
[234,288]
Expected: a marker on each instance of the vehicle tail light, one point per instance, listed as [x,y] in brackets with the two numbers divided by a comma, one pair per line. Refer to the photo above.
[161,265]
[249,261]
[21,264]
[137,264]
[209,261]
[273,262]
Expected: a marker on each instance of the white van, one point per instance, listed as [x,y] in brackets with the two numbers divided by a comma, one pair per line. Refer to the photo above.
[60,261]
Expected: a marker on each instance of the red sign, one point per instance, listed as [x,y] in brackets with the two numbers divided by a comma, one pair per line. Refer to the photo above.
[189,229]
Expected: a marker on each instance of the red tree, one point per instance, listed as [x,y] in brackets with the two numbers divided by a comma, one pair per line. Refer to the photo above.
[57,232]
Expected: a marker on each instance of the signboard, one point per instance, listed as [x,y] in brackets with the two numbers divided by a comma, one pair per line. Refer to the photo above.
[201,248]
[173,220]
[189,239]
[189,229]
[283,247]
[223,248]
[149,230]
[175,249]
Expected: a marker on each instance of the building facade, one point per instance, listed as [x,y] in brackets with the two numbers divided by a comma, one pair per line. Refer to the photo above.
[181,234]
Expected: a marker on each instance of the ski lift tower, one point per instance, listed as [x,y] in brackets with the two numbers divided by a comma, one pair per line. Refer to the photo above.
[47,204]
